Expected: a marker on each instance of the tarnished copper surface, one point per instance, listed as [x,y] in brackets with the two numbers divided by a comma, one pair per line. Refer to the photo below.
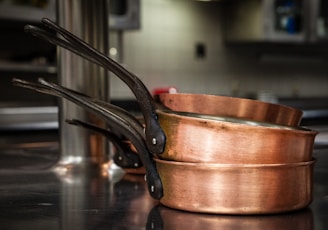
[232,106]
[236,188]
[191,139]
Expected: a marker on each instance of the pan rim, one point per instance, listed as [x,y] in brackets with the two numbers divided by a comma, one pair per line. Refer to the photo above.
[206,166]
[300,112]
[235,121]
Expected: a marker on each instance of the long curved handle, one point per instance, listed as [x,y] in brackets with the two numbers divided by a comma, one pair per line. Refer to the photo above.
[118,110]
[124,156]
[129,130]
[155,137]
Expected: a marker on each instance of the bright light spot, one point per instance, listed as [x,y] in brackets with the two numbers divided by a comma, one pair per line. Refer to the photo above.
[113,51]
[173,90]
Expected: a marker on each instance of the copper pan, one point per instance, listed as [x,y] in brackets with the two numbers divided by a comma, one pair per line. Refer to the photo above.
[205,138]
[208,181]
[231,107]
[236,188]
[213,139]
[154,140]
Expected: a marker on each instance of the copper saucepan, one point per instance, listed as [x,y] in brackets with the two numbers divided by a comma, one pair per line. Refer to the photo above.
[213,139]
[230,134]
[206,187]
[209,188]
[236,188]
[155,139]
[231,107]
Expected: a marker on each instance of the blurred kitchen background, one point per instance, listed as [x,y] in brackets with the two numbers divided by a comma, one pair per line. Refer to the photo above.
[274,50]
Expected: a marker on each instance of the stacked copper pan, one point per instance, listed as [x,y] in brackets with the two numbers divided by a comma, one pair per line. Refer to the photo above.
[212,154]
[256,159]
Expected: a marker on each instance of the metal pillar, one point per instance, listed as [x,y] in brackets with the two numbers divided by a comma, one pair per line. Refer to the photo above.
[89,21]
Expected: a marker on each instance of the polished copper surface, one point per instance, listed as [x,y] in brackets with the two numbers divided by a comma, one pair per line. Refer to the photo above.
[193,139]
[236,188]
[232,106]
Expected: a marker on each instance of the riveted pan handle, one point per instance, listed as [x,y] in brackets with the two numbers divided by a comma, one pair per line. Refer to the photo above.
[155,137]
[129,130]
[124,156]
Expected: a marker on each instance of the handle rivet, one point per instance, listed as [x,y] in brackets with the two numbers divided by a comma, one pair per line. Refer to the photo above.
[154,141]
[136,165]
[120,158]
[152,188]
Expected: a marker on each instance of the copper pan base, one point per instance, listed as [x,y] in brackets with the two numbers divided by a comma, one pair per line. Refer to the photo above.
[236,189]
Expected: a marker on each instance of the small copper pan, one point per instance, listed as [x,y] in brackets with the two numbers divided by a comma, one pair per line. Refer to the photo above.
[213,139]
[236,188]
[231,107]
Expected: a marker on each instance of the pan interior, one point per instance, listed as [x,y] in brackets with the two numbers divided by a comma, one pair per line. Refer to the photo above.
[233,120]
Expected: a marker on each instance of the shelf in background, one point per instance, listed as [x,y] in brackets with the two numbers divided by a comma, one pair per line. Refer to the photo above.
[27,67]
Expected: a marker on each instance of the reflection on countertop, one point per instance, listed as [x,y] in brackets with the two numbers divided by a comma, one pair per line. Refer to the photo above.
[120,201]
[166,218]
[48,201]
[35,195]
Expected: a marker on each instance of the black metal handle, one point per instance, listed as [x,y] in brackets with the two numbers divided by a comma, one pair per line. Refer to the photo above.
[129,130]
[155,137]
[124,156]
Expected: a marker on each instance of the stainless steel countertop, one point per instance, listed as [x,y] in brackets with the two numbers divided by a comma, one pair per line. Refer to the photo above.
[34,196]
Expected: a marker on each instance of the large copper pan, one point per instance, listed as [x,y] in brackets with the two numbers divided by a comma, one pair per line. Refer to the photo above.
[204,190]
[236,188]
[231,107]
[213,139]
[214,187]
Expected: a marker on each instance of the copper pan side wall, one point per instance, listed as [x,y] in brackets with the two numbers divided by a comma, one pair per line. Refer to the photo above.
[89,21]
